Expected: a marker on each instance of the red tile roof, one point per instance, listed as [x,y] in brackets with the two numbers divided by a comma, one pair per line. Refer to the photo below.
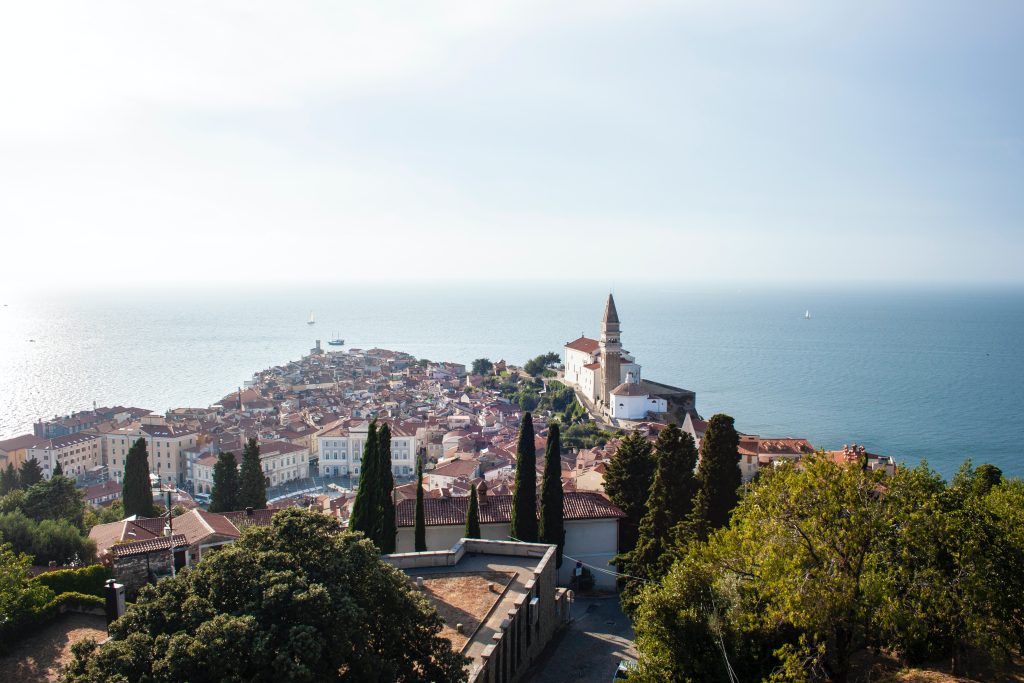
[149,545]
[497,508]
[585,344]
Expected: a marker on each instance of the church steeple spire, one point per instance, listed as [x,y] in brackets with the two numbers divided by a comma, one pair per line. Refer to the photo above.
[610,314]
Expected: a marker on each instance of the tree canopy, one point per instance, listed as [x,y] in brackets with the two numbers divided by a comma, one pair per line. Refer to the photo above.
[482,366]
[301,600]
[719,473]
[388,525]
[135,489]
[369,504]
[524,497]
[252,488]
[30,473]
[420,524]
[823,561]
[472,529]
[226,485]
[536,366]
[552,525]
[627,481]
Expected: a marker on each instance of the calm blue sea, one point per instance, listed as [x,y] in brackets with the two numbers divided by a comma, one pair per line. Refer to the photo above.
[935,374]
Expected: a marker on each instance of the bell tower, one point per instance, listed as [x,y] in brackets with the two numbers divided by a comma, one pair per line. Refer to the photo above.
[610,348]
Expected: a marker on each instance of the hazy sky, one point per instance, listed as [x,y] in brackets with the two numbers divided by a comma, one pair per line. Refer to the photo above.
[146,142]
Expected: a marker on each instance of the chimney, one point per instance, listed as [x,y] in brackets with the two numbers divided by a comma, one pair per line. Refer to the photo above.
[248,511]
[481,493]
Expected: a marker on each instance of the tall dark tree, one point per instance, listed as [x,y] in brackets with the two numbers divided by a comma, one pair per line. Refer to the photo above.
[388,527]
[420,528]
[135,490]
[252,491]
[224,497]
[524,498]
[552,524]
[472,529]
[8,479]
[719,475]
[669,504]
[55,499]
[58,471]
[627,481]
[30,473]
[366,507]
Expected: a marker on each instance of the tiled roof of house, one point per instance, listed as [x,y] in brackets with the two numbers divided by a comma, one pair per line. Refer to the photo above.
[497,508]
[149,545]
[585,344]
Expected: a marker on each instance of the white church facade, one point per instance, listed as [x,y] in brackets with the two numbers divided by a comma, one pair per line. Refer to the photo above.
[607,375]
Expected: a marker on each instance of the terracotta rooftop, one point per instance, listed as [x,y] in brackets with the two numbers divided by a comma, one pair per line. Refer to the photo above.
[497,508]
[149,545]
[584,344]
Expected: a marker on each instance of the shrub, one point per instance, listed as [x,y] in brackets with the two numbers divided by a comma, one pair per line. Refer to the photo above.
[87,580]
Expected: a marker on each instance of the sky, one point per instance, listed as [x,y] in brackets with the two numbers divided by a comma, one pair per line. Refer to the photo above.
[147,143]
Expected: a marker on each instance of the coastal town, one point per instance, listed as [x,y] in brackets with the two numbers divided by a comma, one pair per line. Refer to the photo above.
[311,419]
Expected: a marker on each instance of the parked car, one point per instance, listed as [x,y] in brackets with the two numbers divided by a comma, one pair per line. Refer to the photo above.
[622,671]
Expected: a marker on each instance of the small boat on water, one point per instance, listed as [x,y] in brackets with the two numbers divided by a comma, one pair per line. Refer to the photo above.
[312,320]
[337,341]
[807,315]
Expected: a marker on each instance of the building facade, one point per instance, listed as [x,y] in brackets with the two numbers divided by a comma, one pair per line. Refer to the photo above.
[595,367]
[165,447]
[341,449]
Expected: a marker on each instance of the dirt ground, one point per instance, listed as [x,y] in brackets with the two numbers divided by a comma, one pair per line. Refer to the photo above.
[463,599]
[39,657]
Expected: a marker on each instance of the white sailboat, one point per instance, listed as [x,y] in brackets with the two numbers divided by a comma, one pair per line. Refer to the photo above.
[312,320]
[807,315]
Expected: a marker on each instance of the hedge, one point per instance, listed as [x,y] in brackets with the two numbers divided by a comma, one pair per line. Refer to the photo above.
[39,617]
[88,580]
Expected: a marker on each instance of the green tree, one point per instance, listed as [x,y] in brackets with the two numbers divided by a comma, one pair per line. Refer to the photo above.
[482,366]
[420,529]
[536,366]
[668,506]
[56,499]
[388,526]
[30,473]
[366,507]
[225,494]
[719,473]
[627,481]
[58,471]
[524,498]
[9,480]
[552,525]
[252,491]
[49,540]
[136,492]
[472,529]
[301,600]
[20,596]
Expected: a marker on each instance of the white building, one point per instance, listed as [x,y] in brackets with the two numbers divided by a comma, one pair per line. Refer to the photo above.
[591,528]
[629,401]
[77,454]
[341,449]
[165,448]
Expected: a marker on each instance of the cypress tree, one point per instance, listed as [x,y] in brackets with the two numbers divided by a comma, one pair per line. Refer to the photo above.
[135,490]
[420,529]
[30,473]
[224,497]
[8,479]
[668,505]
[552,526]
[524,498]
[719,475]
[388,528]
[58,471]
[366,507]
[472,516]
[627,481]
[253,487]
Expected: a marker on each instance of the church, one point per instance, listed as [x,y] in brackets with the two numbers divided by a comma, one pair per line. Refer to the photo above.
[608,376]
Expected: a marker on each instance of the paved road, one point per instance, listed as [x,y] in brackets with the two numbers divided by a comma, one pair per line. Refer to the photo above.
[588,650]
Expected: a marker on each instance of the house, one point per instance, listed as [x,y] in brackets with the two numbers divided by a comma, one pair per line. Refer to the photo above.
[101,494]
[591,527]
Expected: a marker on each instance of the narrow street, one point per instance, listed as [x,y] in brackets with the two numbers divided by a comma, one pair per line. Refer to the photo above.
[590,647]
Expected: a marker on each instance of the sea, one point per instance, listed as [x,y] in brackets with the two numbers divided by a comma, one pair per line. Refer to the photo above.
[916,373]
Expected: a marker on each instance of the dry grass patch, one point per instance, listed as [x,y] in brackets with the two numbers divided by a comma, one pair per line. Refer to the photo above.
[464,598]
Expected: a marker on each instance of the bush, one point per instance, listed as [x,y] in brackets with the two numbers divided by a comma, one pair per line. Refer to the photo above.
[87,580]
[48,540]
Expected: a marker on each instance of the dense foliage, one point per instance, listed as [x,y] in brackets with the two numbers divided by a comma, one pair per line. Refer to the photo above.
[472,529]
[373,511]
[719,474]
[136,493]
[536,366]
[627,481]
[388,525]
[524,497]
[47,521]
[552,525]
[226,484]
[826,562]
[301,600]
[482,366]
[252,487]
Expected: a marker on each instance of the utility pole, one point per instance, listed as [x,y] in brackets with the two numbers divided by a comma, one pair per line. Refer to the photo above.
[170,528]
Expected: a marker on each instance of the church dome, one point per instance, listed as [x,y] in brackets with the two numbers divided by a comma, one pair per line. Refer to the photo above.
[628,389]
